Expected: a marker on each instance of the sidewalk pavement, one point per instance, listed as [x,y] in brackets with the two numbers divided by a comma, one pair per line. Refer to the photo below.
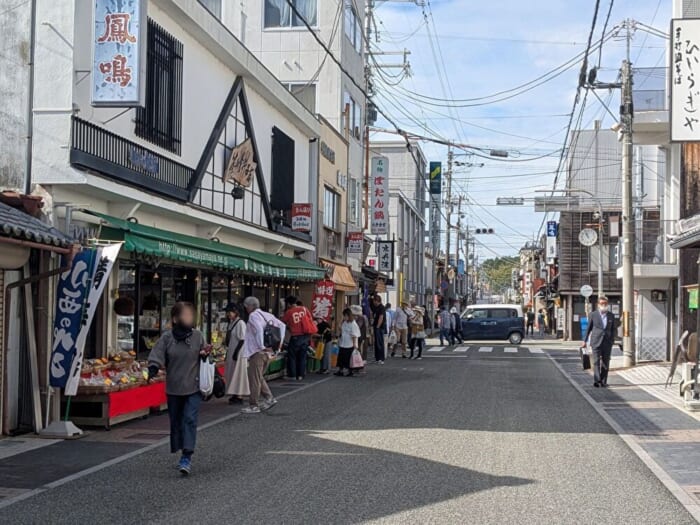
[649,417]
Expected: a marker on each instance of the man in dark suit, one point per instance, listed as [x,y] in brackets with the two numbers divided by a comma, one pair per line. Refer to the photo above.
[601,336]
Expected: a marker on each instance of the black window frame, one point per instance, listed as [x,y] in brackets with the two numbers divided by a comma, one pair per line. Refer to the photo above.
[160,120]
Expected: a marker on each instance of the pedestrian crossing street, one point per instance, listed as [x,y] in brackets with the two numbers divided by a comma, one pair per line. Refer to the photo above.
[491,350]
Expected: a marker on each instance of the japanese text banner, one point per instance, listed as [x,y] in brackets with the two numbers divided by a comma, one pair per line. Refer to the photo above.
[322,301]
[118,53]
[380,196]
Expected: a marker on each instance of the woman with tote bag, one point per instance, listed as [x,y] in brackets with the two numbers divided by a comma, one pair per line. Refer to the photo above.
[180,352]
[349,337]
[236,364]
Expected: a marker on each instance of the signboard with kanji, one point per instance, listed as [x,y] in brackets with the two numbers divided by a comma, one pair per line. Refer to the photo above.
[355,242]
[685,80]
[385,256]
[322,301]
[118,55]
[301,217]
[380,195]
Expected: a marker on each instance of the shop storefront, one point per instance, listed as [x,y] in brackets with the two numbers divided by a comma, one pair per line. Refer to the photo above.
[156,269]
[344,286]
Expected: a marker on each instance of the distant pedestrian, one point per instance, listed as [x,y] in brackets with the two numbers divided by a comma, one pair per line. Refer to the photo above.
[258,355]
[540,322]
[400,327]
[446,322]
[325,336]
[601,336]
[179,351]
[418,334]
[530,330]
[456,325]
[365,329]
[347,343]
[236,364]
[379,325]
[298,320]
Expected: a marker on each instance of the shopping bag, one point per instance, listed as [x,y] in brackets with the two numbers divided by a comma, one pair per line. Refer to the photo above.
[335,350]
[320,346]
[356,359]
[393,339]
[207,371]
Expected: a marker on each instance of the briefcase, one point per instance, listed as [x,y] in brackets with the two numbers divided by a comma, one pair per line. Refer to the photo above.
[585,358]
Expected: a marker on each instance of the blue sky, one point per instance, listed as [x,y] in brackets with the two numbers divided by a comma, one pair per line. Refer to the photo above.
[492,46]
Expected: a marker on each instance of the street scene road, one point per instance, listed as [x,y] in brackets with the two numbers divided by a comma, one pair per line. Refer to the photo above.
[490,434]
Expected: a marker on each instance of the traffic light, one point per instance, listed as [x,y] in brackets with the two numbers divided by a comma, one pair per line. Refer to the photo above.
[484,231]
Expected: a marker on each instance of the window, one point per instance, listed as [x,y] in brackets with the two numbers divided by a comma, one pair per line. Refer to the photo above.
[331,209]
[278,13]
[304,93]
[502,313]
[477,314]
[213,6]
[160,121]
[353,26]
[352,115]
[282,191]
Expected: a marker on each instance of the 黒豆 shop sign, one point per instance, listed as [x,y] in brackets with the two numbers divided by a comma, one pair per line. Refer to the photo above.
[119,53]
[685,80]
[301,217]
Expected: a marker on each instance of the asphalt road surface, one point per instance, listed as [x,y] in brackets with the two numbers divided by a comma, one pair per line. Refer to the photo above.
[460,437]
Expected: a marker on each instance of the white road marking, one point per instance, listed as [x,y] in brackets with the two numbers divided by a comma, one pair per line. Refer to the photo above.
[536,350]
[510,350]
[436,349]
[486,349]
[462,349]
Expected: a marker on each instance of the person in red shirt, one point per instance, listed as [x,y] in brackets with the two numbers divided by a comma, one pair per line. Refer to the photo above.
[298,320]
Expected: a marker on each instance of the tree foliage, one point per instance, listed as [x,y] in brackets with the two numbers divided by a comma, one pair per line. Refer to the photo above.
[498,272]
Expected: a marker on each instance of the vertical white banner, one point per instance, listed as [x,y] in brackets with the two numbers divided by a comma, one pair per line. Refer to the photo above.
[106,256]
[552,230]
[685,80]
[379,197]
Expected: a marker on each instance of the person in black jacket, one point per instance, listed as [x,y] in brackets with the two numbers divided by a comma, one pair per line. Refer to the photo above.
[601,336]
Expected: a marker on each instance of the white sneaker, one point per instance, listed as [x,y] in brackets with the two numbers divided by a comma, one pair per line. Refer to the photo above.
[251,410]
[268,404]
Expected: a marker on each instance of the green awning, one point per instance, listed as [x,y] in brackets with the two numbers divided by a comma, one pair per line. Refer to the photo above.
[147,240]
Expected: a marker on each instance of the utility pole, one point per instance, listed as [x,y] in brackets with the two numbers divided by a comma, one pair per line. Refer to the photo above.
[450,161]
[626,117]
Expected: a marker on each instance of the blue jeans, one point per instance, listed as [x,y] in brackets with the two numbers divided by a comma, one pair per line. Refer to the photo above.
[296,355]
[445,333]
[379,353]
[183,412]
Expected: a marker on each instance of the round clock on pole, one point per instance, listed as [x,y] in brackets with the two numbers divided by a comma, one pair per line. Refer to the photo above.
[588,237]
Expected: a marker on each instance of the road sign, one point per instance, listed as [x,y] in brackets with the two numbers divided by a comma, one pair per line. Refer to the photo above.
[510,201]
[586,290]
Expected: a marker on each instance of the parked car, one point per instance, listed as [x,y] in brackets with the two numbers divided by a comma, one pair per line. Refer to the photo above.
[493,321]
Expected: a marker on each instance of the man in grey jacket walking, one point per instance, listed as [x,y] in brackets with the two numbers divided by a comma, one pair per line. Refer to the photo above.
[601,336]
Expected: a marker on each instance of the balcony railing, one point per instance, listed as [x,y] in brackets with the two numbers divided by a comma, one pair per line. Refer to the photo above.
[110,155]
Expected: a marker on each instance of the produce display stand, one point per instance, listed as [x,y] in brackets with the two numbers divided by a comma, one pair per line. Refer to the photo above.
[110,408]
[113,407]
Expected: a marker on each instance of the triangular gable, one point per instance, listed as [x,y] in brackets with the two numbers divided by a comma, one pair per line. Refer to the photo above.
[208,188]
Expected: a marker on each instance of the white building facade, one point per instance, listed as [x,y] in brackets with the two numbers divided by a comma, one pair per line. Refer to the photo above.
[159,177]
